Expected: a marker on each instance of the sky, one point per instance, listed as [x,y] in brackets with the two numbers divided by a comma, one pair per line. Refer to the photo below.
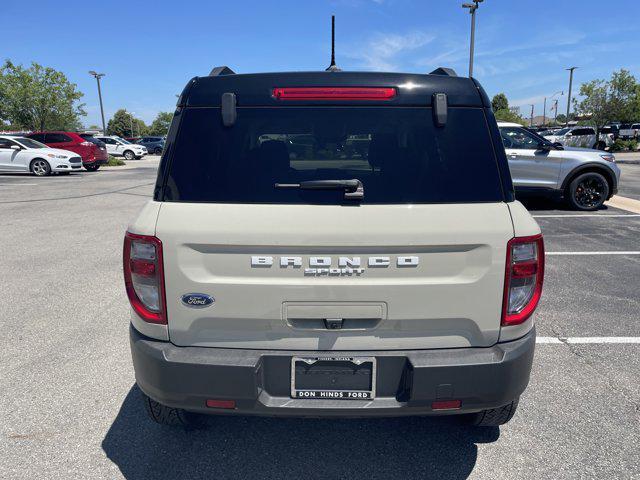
[150,49]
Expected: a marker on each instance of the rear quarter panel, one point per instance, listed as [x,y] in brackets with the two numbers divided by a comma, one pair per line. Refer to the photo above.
[524,225]
[145,224]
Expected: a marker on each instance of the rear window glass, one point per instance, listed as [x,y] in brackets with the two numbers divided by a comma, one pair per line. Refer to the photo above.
[397,153]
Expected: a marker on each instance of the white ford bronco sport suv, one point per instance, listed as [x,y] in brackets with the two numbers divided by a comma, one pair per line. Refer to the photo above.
[329,244]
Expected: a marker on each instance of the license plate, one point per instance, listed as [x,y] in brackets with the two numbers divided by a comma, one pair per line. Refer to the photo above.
[333,378]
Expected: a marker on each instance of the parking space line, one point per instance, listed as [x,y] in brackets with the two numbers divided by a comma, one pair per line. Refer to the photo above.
[595,253]
[588,340]
[589,215]
[17,184]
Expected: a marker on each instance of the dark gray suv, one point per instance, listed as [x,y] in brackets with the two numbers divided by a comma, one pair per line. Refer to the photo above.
[154,145]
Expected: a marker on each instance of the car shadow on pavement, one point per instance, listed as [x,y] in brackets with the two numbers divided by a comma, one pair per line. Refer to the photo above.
[533,203]
[256,447]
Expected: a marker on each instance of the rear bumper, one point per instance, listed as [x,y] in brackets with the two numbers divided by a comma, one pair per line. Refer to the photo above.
[259,381]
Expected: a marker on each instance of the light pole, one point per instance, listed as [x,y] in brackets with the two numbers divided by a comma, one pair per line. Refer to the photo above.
[472,10]
[133,133]
[571,69]
[131,123]
[531,121]
[555,106]
[98,76]
[544,112]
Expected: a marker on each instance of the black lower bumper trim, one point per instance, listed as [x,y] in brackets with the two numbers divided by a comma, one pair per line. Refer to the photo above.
[259,381]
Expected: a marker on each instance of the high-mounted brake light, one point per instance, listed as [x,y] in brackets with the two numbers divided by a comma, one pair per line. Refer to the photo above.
[334,93]
[144,277]
[523,278]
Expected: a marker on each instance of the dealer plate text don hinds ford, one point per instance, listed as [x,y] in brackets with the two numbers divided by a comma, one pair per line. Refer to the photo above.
[340,266]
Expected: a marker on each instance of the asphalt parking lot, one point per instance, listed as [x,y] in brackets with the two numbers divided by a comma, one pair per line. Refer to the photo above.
[70,408]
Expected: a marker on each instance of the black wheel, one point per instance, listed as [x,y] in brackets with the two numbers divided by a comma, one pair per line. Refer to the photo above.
[588,191]
[92,168]
[40,167]
[157,151]
[129,155]
[600,146]
[495,417]
[173,417]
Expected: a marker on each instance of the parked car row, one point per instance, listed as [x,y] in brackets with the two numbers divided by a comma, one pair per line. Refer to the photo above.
[580,136]
[93,154]
[39,152]
[22,154]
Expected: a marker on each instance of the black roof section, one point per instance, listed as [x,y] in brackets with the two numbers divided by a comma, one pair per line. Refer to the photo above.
[255,89]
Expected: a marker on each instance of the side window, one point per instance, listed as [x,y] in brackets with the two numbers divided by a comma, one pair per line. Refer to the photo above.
[38,137]
[5,143]
[57,138]
[518,138]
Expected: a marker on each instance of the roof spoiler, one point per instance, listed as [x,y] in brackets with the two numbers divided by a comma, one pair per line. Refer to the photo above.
[222,70]
[447,72]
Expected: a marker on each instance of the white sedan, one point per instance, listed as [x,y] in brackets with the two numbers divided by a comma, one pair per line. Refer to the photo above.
[19,154]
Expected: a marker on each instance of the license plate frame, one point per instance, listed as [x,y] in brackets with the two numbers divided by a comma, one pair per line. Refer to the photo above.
[333,394]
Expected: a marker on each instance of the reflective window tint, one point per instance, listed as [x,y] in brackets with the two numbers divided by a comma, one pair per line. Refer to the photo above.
[396,152]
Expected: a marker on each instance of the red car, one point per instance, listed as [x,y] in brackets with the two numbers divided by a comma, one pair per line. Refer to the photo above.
[92,153]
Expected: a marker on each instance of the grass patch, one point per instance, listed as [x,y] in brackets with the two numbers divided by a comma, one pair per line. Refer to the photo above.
[115,162]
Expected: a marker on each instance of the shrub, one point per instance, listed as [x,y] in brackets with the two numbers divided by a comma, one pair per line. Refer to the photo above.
[115,162]
[625,145]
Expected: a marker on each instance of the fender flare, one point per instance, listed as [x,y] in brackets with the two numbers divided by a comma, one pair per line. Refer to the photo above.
[593,167]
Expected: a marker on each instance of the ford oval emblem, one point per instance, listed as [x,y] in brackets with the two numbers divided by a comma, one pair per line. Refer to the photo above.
[197,300]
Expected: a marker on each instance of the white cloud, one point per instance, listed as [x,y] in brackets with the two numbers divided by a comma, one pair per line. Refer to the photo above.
[383,50]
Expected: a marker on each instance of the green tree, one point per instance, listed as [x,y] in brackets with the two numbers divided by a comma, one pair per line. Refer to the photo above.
[122,123]
[506,115]
[624,93]
[160,126]
[596,105]
[39,98]
[604,101]
[500,102]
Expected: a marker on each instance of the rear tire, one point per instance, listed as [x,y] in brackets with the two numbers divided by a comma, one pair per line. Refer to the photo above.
[173,417]
[157,151]
[495,417]
[40,167]
[588,191]
[600,146]
[92,168]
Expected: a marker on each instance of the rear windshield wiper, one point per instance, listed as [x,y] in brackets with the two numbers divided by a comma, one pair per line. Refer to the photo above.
[353,189]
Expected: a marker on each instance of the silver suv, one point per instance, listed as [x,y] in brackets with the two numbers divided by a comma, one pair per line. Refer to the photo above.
[325,244]
[584,178]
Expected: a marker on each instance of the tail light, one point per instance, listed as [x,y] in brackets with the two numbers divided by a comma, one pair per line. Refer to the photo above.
[523,278]
[144,277]
[334,93]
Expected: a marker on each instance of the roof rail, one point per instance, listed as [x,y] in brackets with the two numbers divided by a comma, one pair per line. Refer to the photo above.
[222,70]
[448,72]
